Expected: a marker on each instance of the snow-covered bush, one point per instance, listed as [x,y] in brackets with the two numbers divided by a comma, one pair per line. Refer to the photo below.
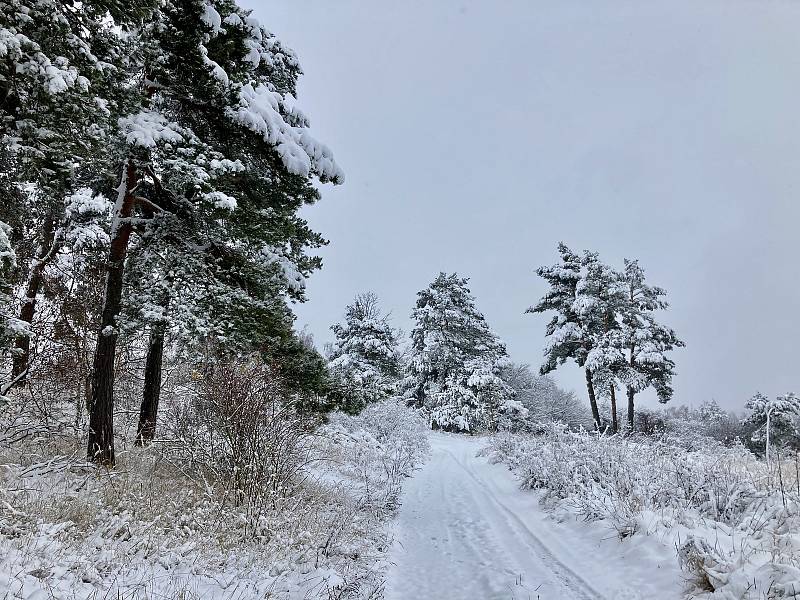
[160,525]
[544,400]
[242,433]
[734,523]
[384,443]
[616,478]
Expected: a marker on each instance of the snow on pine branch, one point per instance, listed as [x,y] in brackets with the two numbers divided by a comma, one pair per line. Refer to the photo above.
[149,128]
[212,18]
[291,275]
[261,110]
[85,213]
[56,75]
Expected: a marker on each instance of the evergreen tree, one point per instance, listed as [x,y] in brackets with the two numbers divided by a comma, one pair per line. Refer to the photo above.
[62,78]
[455,360]
[7,261]
[215,142]
[774,419]
[579,319]
[605,322]
[598,300]
[365,358]
[645,342]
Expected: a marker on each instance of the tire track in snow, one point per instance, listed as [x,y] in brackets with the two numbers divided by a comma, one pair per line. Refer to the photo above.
[567,576]
[459,540]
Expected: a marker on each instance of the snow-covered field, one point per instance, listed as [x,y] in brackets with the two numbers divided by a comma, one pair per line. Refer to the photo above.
[467,531]
[557,515]
[732,524]
[147,531]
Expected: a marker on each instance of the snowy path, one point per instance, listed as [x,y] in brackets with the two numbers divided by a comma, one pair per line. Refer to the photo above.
[465,531]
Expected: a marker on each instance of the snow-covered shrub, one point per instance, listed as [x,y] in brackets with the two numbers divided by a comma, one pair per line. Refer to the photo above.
[384,444]
[616,477]
[245,434]
[544,400]
[160,526]
[734,522]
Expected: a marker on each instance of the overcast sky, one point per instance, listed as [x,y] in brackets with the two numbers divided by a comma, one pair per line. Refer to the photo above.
[477,134]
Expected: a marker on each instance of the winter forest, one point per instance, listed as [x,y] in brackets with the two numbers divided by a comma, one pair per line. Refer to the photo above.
[172,428]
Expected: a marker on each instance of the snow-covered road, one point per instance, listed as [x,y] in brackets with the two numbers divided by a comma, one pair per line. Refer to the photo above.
[466,531]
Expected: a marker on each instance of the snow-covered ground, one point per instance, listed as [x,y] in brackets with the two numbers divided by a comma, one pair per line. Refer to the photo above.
[466,530]
[146,531]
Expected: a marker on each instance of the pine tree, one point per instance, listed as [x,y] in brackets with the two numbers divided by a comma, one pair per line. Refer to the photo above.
[8,261]
[61,78]
[365,357]
[605,322]
[645,342]
[455,360]
[774,419]
[579,319]
[214,141]
[598,300]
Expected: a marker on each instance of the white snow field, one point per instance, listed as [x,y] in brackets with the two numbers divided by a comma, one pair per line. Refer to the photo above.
[466,531]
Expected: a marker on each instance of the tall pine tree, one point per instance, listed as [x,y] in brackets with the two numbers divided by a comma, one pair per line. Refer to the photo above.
[456,359]
[645,343]
[215,141]
[365,359]
[63,76]
[573,331]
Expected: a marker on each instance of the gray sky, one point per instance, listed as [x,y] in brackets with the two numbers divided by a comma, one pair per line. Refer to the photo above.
[475,135]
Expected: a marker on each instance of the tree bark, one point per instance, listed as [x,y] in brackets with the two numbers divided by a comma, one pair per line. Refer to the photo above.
[631,394]
[614,423]
[148,414]
[592,399]
[22,345]
[101,411]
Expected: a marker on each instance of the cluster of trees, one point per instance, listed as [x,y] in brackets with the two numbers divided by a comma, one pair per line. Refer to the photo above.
[605,320]
[152,166]
[454,367]
[767,425]
[458,369]
[773,421]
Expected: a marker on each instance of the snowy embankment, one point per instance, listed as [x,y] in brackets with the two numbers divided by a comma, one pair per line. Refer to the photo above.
[149,529]
[467,531]
[731,525]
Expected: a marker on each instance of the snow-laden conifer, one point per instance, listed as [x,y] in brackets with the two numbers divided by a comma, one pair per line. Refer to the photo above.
[774,419]
[456,359]
[647,344]
[364,359]
[605,321]
[215,160]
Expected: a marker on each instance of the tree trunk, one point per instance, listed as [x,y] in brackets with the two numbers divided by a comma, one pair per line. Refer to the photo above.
[22,345]
[631,394]
[101,412]
[614,424]
[148,414]
[769,413]
[592,399]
